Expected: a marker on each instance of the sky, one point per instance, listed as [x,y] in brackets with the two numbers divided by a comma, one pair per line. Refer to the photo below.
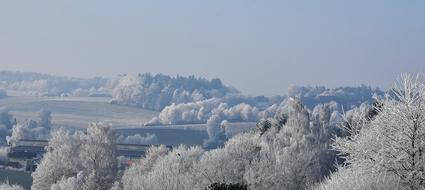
[258,46]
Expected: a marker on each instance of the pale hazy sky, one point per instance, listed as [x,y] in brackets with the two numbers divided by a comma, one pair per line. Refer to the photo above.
[258,46]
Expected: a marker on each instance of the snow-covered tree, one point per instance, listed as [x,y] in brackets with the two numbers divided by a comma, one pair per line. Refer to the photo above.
[163,172]
[216,132]
[30,129]
[71,183]
[158,91]
[394,141]
[227,164]
[79,158]
[61,160]
[350,178]
[131,178]
[42,84]
[98,158]
[138,139]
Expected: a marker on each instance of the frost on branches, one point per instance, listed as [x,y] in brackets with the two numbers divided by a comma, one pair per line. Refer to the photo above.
[80,160]
[290,154]
[392,143]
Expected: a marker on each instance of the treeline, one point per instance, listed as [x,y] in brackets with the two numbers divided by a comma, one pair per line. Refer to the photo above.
[38,84]
[185,100]
[158,91]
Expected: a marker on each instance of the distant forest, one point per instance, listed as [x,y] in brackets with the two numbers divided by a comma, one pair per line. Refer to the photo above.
[184,100]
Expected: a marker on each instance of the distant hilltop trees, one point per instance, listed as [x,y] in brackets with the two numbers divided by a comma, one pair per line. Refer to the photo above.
[47,85]
[346,96]
[183,100]
[155,92]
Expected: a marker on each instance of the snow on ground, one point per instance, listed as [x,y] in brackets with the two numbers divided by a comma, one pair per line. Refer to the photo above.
[77,112]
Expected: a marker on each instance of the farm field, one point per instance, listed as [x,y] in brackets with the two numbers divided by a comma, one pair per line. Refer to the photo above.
[77,112]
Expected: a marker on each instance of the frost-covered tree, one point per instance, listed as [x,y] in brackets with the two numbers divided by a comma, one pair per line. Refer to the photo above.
[350,178]
[158,91]
[289,156]
[30,129]
[61,160]
[72,183]
[201,111]
[131,178]
[227,164]
[138,139]
[163,170]
[98,157]
[349,97]
[42,84]
[394,140]
[79,158]
[216,132]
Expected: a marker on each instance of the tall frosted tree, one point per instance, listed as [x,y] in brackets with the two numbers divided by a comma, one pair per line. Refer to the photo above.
[98,156]
[60,161]
[394,141]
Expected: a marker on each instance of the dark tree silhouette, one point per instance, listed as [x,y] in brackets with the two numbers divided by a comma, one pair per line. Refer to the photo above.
[376,108]
[223,186]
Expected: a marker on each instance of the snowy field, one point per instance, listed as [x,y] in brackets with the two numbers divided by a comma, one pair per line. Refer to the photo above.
[77,112]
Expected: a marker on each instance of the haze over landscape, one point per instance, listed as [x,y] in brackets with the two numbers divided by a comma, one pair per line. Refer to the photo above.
[212,95]
[265,44]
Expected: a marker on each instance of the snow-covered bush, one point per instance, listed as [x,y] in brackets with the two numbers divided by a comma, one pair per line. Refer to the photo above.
[138,139]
